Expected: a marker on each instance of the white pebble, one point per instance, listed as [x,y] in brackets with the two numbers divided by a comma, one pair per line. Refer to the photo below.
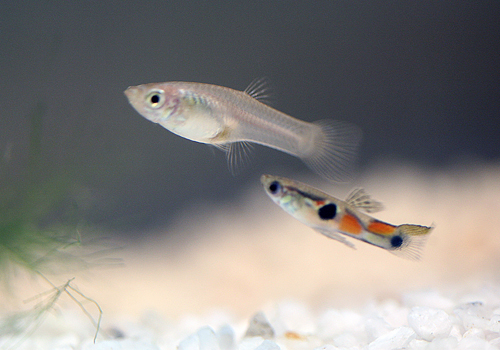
[495,342]
[225,336]
[429,323]
[473,343]
[474,332]
[456,331]
[494,323]
[376,326]
[191,342]
[449,343]
[472,315]
[418,344]
[397,338]
[203,339]
[293,316]
[327,347]
[430,298]
[125,344]
[346,340]
[208,340]
[391,311]
[334,322]
[259,326]
[268,345]
[250,343]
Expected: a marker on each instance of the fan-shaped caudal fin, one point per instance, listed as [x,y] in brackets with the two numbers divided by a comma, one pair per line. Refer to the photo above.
[408,241]
[333,150]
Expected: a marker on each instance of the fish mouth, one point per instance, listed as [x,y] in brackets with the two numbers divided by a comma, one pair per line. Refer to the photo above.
[131,92]
[265,179]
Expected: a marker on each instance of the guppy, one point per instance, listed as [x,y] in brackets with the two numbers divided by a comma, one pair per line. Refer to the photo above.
[336,218]
[230,119]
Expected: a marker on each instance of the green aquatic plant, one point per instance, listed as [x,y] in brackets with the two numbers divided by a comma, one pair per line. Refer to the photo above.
[20,325]
[29,239]
[40,236]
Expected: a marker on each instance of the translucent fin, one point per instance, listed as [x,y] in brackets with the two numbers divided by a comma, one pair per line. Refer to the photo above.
[239,155]
[358,198]
[334,150]
[414,238]
[260,89]
[336,236]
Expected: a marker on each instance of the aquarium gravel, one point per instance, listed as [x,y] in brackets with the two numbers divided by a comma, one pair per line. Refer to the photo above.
[420,319]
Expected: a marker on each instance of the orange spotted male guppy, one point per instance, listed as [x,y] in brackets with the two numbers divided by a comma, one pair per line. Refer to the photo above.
[335,218]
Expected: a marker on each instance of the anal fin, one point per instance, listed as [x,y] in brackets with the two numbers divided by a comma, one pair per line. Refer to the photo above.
[336,236]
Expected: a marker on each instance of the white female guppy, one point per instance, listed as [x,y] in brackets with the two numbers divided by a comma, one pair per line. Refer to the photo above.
[333,217]
[229,119]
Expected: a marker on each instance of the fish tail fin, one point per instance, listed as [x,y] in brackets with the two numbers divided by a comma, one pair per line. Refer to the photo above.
[408,241]
[332,150]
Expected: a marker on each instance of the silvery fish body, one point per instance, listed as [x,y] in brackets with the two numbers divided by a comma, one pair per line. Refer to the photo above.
[226,118]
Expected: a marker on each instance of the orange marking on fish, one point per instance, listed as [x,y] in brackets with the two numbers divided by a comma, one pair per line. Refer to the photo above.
[350,224]
[320,202]
[381,228]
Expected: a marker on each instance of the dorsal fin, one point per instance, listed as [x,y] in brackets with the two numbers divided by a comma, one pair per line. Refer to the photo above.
[260,89]
[359,199]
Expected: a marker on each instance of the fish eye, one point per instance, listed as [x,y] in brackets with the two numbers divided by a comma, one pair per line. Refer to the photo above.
[396,241]
[274,187]
[155,98]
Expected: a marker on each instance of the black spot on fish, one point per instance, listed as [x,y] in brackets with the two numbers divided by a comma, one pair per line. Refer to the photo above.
[328,211]
[396,241]
[274,187]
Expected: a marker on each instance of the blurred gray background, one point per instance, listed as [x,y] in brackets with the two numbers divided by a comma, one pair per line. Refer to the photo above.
[421,79]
